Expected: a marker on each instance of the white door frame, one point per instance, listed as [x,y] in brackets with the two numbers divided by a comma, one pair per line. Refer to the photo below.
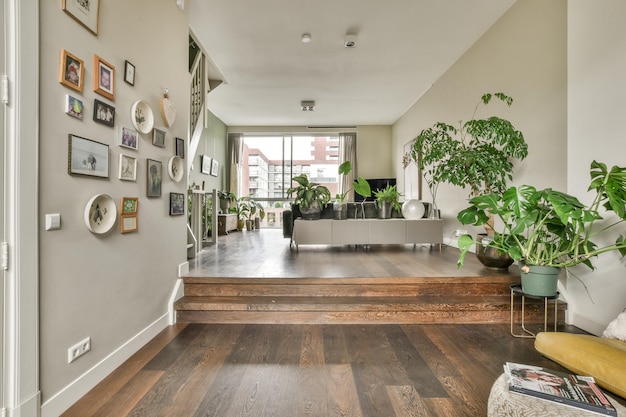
[21,296]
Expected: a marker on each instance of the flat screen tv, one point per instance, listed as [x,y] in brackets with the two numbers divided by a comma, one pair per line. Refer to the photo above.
[375,184]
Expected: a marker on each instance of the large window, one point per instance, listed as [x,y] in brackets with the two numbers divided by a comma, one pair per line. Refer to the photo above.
[270,162]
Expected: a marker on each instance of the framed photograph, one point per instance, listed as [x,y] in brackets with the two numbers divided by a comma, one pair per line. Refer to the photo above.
[180,148]
[74,107]
[129,73]
[129,138]
[84,12]
[205,164]
[158,137]
[127,168]
[154,178]
[104,78]
[103,113]
[71,71]
[177,204]
[128,223]
[87,157]
[129,205]
[215,166]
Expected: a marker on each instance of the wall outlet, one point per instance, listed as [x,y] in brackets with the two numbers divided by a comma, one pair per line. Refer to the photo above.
[460,232]
[78,350]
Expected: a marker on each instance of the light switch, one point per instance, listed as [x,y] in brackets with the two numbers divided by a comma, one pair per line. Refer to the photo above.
[53,221]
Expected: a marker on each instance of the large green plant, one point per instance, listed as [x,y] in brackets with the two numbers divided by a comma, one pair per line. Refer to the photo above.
[360,185]
[308,192]
[551,228]
[476,154]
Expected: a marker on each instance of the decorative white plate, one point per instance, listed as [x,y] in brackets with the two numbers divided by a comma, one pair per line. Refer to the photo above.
[142,116]
[175,168]
[100,214]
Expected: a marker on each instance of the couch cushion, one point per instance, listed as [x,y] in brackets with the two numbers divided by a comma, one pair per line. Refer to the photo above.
[602,358]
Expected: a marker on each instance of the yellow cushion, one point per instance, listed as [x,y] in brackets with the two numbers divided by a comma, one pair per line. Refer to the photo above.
[602,358]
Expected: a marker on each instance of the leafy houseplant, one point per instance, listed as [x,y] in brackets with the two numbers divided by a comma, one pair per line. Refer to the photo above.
[387,198]
[246,209]
[360,186]
[475,154]
[225,198]
[549,228]
[310,196]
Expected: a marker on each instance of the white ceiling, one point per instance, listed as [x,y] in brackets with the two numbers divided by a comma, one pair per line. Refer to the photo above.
[403,47]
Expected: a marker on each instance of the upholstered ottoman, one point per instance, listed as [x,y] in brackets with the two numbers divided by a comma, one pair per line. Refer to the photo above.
[502,402]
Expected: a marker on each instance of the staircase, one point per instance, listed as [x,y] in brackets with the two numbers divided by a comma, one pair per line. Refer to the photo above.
[448,300]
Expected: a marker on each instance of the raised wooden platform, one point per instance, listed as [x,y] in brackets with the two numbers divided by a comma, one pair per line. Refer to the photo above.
[253,277]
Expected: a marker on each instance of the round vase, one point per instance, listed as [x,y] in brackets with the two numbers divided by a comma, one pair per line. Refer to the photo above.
[541,281]
[313,212]
[340,210]
[413,209]
[384,209]
[491,257]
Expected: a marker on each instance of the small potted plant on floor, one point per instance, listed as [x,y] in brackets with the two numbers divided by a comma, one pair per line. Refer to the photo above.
[387,198]
[547,230]
[311,197]
[477,154]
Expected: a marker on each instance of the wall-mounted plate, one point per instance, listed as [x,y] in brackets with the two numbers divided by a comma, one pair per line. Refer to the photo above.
[142,116]
[175,168]
[100,214]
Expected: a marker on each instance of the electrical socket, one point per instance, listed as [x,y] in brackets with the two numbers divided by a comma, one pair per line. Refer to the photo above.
[460,232]
[78,350]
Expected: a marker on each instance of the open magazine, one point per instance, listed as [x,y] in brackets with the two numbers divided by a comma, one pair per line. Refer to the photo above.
[561,387]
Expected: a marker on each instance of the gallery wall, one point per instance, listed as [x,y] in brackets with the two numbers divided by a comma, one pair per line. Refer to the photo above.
[112,287]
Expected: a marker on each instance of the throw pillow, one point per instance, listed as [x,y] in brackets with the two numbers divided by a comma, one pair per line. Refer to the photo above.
[617,328]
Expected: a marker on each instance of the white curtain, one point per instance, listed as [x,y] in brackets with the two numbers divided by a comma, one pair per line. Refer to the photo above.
[347,152]
[235,154]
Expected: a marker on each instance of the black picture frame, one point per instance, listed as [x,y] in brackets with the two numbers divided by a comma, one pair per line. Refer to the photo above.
[129,73]
[103,113]
[177,204]
[180,148]
[87,157]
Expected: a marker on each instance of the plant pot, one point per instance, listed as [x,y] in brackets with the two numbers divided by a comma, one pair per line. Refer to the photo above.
[313,212]
[340,210]
[540,281]
[240,224]
[257,222]
[491,257]
[225,206]
[384,209]
[249,225]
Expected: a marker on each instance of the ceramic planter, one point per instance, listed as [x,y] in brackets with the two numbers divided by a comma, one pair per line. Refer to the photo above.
[540,281]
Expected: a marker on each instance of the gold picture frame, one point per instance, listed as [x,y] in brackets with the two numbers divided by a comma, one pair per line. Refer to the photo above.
[104,78]
[84,12]
[129,223]
[71,71]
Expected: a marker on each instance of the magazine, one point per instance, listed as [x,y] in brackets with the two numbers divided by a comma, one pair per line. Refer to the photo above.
[561,387]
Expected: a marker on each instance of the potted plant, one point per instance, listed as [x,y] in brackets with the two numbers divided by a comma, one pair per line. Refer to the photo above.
[387,198]
[547,230]
[477,154]
[311,197]
[360,186]
[225,198]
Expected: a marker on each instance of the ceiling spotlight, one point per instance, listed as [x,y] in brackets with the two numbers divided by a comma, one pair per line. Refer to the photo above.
[349,41]
[306,38]
[307,105]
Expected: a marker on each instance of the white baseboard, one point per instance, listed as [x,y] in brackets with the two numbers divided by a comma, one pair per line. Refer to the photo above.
[177,292]
[61,401]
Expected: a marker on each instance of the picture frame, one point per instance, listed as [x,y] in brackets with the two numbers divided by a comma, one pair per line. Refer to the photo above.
[154,178]
[180,148]
[104,78]
[103,113]
[84,12]
[74,106]
[71,71]
[158,137]
[215,166]
[128,224]
[129,73]
[87,157]
[129,138]
[205,164]
[129,206]
[177,204]
[127,168]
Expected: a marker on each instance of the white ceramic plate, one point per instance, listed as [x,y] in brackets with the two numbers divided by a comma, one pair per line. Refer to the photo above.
[175,168]
[100,214]
[142,116]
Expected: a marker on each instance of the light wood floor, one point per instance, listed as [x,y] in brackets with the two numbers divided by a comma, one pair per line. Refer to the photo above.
[313,370]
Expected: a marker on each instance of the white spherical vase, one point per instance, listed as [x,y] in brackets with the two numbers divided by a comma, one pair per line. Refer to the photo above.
[413,209]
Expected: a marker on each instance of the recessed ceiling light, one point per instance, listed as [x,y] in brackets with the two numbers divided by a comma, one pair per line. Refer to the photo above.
[306,38]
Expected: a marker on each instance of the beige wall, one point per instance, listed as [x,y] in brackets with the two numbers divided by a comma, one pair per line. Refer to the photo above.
[596,68]
[113,288]
[374,152]
[213,144]
[526,61]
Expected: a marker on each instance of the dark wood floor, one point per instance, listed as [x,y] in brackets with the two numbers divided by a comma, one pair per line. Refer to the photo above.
[287,370]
